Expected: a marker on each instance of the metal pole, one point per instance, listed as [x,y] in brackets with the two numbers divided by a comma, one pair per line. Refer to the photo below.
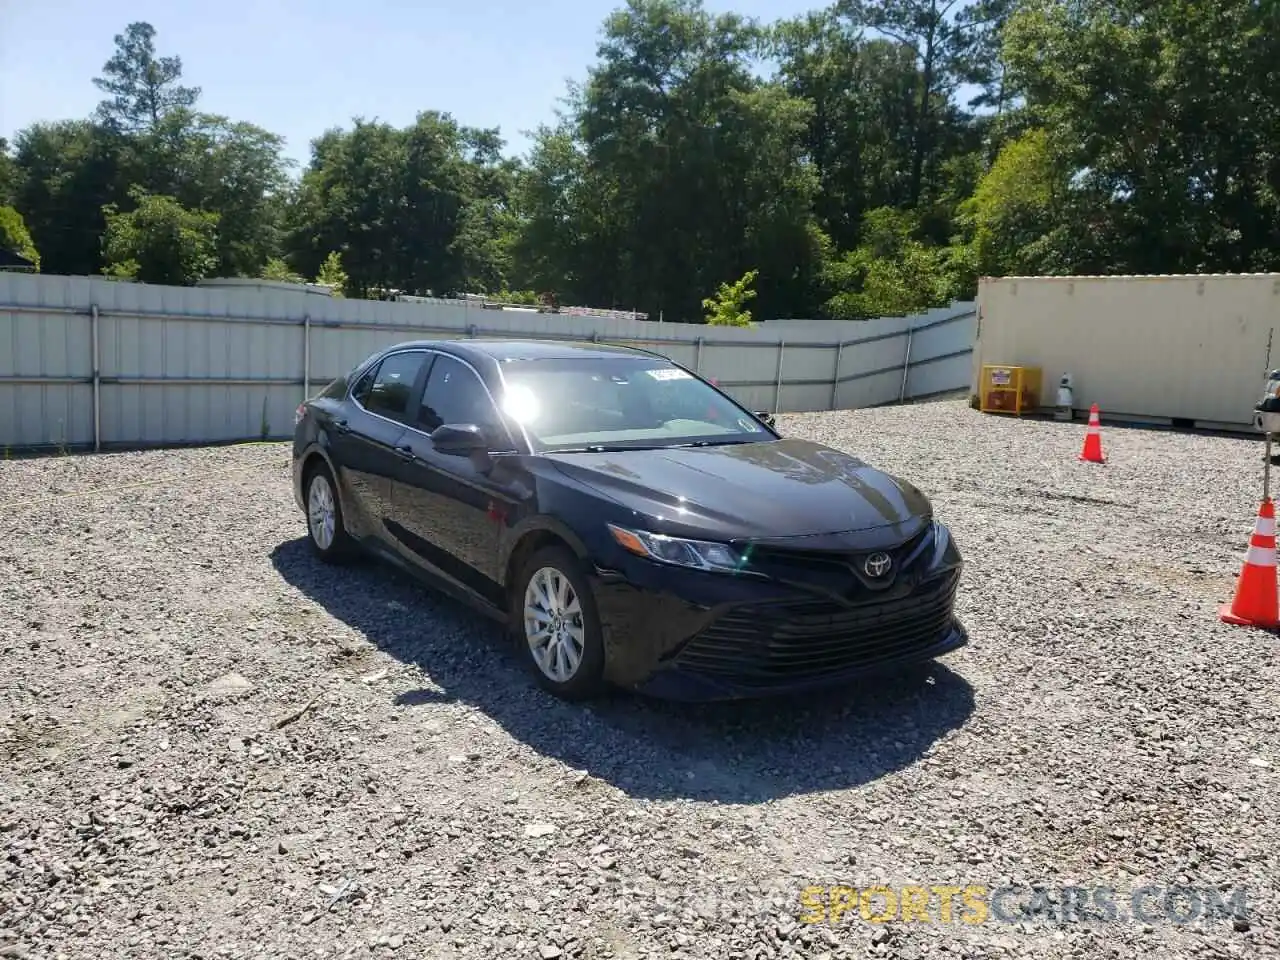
[1266,470]
[835,377]
[697,357]
[97,378]
[777,383]
[306,356]
[906,367]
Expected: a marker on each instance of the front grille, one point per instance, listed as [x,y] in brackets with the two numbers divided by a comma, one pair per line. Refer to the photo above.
[839,571]
[767,644]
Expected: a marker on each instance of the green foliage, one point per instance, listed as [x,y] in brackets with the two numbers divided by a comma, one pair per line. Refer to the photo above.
[148,134]
[416,209]
[526,298]
[1166,122]
[9,175]
[728,307]
[277,269]
[159,241]
[891,273]
[70,171]
[675,166]
[213,163]
[14,236]
[142,88]
[332,275]
[830,152]
[1015,207]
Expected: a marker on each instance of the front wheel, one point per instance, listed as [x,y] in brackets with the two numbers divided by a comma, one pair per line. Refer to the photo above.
[558,625]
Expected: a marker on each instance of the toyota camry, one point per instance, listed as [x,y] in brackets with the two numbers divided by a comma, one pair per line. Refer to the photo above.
[631,524]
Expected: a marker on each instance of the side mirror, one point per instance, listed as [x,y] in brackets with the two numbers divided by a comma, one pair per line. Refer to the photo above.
[459,439]
[765,417]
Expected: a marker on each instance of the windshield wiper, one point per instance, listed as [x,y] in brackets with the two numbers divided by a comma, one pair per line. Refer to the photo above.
[712,443]
[608,448]
[624,447]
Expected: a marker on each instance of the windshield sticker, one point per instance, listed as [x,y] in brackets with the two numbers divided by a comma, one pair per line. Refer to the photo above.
[669,373]
[750,426]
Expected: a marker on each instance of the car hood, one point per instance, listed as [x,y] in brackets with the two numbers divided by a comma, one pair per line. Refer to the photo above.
[778,489]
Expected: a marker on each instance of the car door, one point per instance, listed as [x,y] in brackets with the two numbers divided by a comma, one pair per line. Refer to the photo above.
[448,510]
[363,438]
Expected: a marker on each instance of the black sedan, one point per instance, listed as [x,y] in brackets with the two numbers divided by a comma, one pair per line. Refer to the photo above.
[630,523]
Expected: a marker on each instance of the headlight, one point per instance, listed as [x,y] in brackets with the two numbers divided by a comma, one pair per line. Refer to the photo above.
[699,554]
[940,534]
[944,548]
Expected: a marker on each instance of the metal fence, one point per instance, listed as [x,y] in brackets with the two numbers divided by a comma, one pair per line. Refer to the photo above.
[91,363]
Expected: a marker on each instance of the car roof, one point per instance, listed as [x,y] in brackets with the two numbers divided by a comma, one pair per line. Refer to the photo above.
[503,350]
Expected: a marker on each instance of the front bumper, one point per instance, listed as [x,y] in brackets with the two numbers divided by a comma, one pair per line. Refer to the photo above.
[678,684]
[689,635]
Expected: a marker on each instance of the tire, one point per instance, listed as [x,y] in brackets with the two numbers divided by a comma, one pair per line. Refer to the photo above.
[535,588]
[326,529]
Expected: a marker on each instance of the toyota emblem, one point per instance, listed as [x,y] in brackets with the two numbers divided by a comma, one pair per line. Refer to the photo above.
[877,565]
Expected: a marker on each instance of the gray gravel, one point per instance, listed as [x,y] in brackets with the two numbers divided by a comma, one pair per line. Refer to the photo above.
[160,617]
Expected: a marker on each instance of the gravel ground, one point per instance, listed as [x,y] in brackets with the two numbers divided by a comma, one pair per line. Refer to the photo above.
[160,617]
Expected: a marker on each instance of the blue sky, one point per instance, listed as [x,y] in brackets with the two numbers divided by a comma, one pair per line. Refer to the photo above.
[298,67]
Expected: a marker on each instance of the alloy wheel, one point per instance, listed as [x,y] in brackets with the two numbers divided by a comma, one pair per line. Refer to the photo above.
[321,516]
[553,624]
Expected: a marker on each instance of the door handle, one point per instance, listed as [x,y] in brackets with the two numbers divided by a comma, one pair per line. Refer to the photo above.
[406,453]
[341,426]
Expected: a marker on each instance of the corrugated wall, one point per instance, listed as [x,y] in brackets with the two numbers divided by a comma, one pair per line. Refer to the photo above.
[1161,347]
[194,365]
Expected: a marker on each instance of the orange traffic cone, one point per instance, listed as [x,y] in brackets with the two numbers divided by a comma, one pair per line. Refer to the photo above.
[1255,600]
[1092,452]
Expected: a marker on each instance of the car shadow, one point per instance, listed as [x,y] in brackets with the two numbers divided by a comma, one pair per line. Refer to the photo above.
[736,752]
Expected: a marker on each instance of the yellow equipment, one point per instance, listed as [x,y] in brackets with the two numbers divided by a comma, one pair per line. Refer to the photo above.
[1009,389]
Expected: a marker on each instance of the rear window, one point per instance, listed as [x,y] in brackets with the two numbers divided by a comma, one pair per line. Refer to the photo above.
[336,390]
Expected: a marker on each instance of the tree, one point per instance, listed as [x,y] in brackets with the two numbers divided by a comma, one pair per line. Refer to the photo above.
[728,307]
[68,171]
[488,223]
[938,40]
[891,273]
[9,174]
[332,275]
[277,269]
[147,135]
[675,166]
[142,88]
[566,240]
[160,241]
[14,236]
[1164,117]
[1107,135]
[981,59]
[859,137]
[235,169]
[399,203]
[1018,204]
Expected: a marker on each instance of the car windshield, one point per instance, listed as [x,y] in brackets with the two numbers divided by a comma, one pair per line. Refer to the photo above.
[620,403]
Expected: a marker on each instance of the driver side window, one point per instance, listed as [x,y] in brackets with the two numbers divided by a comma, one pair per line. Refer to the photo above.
[454,394]
[386,389]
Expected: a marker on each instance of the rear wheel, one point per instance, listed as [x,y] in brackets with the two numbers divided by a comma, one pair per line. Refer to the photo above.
[326,531]
[558,625]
